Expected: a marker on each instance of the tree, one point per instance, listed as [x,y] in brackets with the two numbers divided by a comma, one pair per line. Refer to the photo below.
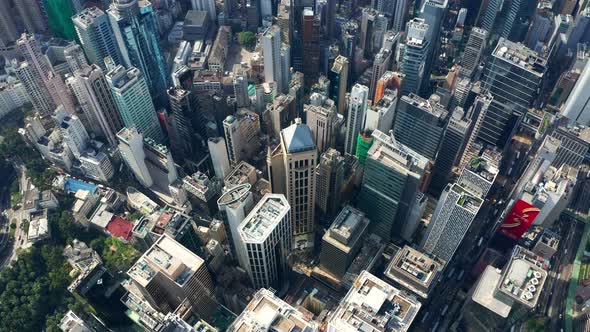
[247,39]
[117,255]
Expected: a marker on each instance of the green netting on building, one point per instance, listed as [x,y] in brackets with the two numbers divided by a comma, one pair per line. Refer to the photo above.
[364,141]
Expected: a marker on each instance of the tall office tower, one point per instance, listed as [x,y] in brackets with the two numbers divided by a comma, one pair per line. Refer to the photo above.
[60,92]
[207,6]
[456,209]
[240,83]
[59,17]
[450,149]
[473,51]
[508,16]
[96,36]
[321,117]
[189,122]
[291,169]
[478,176]
[234,205]
[280,113]
[284,21]
[75,58]
[476,113]
[311,46]
[358,102]
[37,91]
[513,77]
[380,66]
[136,32]
[275,69]
[463,86]
[219,159]
[349,35]
[168,268]
[330,177]
[577,105]
[134,101]
[433,13]
[488,13]
[393,175]
[72,130]
[386,7]
[33,20]
[131,148]
[267,312]
[580,32]
[541,26]
[401,12]
[29,49]
[420,124]
[338,76]
[343,240]
[231,130]
[414,58]
[8,28]
[368,27]
[331,19]
[381,115]
[266,240]
[94,96]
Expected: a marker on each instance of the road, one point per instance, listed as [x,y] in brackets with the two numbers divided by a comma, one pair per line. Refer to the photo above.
[10,255]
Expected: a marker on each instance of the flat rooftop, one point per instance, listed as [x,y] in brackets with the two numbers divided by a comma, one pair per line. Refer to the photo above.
[267,312]
[346,228]
[393,153]
[523,277]
[372,305]
[484,293]
[241,174]
[168,257]
[234,195]
[519,55]
[414,270]
[264,217]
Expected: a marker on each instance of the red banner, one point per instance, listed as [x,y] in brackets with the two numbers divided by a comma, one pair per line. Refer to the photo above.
[519,220]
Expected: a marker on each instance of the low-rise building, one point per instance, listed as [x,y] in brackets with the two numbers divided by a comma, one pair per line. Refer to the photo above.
[38,227]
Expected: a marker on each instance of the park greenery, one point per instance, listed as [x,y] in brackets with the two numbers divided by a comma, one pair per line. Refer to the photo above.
[247,39]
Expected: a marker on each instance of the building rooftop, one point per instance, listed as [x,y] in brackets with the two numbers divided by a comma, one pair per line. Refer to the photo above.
[373,305]
[242,174]
[523,277]
[168,257]
[267,312]
[346,228]
[414,270]
[519,55]
[87,16]
[386,149]
[484,293]
[120,228]
[195,18]
[298,137]
[263,218]
[234,195]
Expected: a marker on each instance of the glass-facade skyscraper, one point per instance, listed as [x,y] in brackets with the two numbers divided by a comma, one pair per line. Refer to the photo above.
[136,32]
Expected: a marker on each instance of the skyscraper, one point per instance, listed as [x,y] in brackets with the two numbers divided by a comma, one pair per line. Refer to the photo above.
[134,101]
[381,115]
[330,177]
[357,110]
[234,205]
[399,18]
[72,130]
[292,172]
[94,96]
[266,241]
[219,158]
[205,5]
[75,57]
[338,76]
[96,36]
[415,56]
[276,62]
[59,17]
[473,51]
[131,148]
[37,91]
[380,66]
[420,124]
[450,149]
[189,123]
[311,46]
[320,117]
[577,105]
[393,175]
[136,33]
[231,129]
[513,77]
[456,209]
